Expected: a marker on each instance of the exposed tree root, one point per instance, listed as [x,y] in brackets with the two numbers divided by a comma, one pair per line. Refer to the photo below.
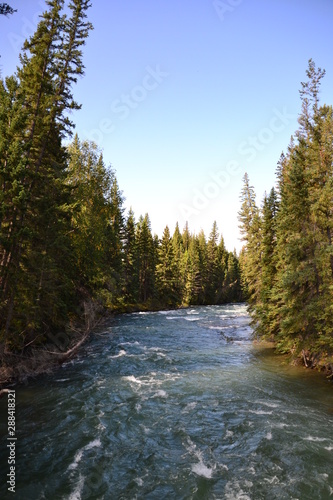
[34,361]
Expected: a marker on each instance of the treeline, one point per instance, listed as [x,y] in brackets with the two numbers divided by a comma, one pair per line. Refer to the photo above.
[287,259]
[123,264]
[64,239]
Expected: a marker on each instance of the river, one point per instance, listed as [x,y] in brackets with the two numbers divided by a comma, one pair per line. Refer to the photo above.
[173,405]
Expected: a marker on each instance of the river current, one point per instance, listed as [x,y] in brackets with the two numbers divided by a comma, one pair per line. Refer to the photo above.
[173,405]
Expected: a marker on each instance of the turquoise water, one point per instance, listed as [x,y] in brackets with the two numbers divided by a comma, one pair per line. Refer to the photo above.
[173,405]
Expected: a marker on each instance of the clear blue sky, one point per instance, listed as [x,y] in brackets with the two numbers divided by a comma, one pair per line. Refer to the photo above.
[186,96]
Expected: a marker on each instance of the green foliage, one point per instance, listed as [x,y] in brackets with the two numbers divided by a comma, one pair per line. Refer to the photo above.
[288,256]
[97,221]
[250,226]
[131,261]
[166,273]
[35,223]
[146,259]
[64,239]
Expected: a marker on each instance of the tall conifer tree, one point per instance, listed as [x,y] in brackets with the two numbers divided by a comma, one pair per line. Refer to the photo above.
[35,182]
[167,282]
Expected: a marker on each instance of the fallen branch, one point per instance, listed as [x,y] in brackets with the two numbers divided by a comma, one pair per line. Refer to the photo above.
[304,359]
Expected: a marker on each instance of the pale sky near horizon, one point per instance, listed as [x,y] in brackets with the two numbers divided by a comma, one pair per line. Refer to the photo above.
[184,97]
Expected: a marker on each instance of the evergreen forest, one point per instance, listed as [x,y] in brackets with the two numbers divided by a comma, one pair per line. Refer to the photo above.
[68,252]
[287,258]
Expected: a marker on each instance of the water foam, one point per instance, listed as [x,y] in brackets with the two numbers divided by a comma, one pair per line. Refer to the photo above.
[167,312]
[121,353]
[261,412]
[199,468]
[234,491]
[76,495]
[160,394]
[202,470]
[133,379]
[189,407]
[77,460]
[272,480]
[267,403]
[79,454]
[315,439]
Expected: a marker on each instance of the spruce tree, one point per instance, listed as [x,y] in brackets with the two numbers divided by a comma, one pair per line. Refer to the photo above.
[35,195]
[214,274]
[250,227]
[287,259]
[92,209]
[116,233]
[130,267]
[268,311]
[193,286]
[146,259]
[167,282]
[178,250]
[304,227]
[222,256]
[231,283]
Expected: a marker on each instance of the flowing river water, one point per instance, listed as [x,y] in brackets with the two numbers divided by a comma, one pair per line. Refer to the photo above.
[173,405]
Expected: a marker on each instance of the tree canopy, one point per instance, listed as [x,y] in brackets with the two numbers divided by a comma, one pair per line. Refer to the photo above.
[288,255]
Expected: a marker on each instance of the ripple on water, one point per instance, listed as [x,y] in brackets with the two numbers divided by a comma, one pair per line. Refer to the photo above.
[170,409]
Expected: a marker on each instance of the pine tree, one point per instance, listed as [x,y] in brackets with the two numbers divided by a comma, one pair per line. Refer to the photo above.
[321,199]
[222,258]
[250,227]
[146,259]
[304,227]
[178,250]
[167,273]
[232,282]
[92,208]
[193,286]
[201,282]
[186,237]
[116,234]
[287,260]
[214,272]
[268,312]
[131,271]
[36,214]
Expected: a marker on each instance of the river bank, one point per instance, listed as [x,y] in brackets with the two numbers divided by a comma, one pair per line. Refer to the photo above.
[45,359]
[309,362]
[174,404]
[19,367]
